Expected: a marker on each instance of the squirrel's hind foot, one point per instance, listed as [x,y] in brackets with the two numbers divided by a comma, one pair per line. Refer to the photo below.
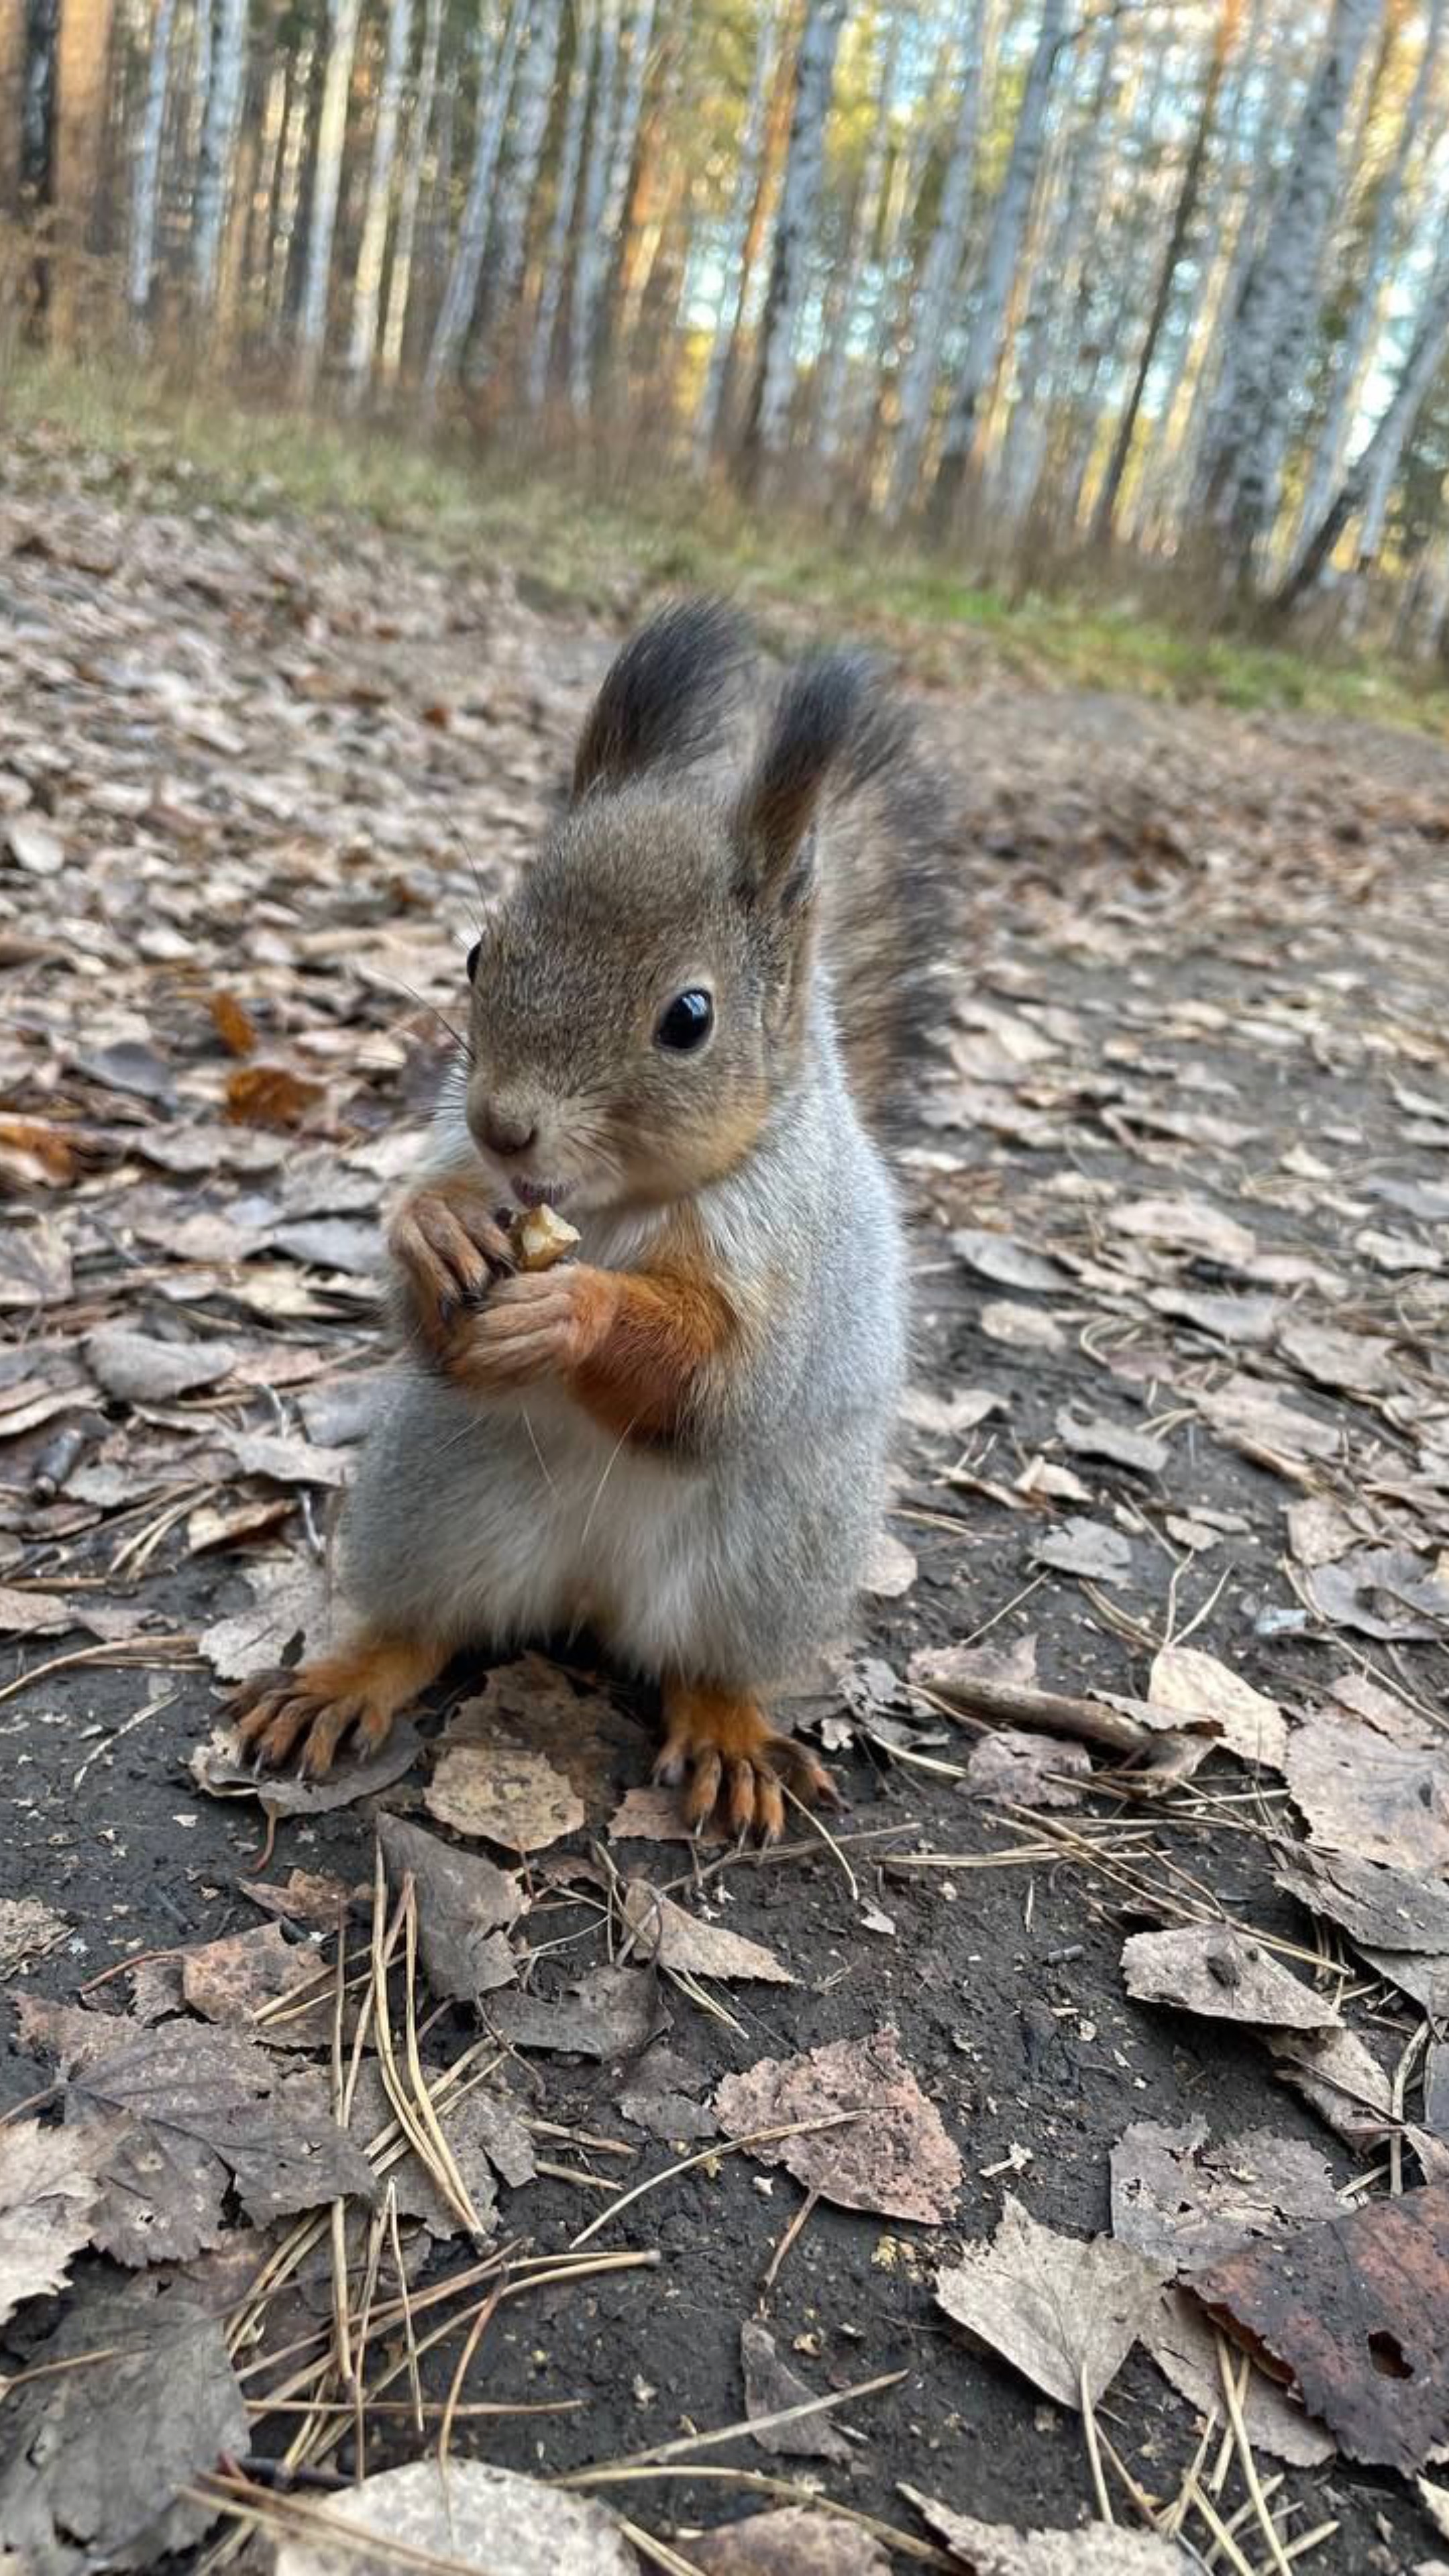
[301,1718]
[722,1749]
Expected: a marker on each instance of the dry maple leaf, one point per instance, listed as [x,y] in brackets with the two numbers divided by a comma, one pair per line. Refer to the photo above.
[894,2159]
[1064,2310]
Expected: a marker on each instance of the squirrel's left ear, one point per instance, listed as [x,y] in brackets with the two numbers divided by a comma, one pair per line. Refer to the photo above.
[817,722]
[664,701]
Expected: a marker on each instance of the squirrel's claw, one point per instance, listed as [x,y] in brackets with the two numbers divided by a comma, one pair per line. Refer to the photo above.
[450,1250]
[730,1762]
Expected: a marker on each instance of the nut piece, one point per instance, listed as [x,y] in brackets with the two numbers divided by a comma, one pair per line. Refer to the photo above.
[540,1238]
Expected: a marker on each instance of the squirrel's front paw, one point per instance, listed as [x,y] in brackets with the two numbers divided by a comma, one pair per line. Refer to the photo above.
[545,1324]
[725,1754]
[449,1249]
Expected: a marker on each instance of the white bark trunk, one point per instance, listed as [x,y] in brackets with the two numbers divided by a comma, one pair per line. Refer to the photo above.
[1003,249]
[795,228]
[147,195]
[495,83]
[218,144]
[566,187]
[940,273]
[289,184]
[326,187]
[400,276]
[367,291]
[592,252]
[1353,349]
[530,127]
[626,133]
[732,247]
[864,225]
[1278,311]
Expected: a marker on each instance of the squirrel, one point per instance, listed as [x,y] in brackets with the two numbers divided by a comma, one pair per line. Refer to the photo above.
[685,1021]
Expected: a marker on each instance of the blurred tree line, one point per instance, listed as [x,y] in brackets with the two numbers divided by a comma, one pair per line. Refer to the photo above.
[1037,278]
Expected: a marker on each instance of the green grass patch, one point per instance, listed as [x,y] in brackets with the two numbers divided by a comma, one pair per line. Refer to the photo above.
[586,533]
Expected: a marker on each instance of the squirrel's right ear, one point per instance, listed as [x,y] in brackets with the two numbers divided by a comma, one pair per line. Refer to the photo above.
[664,699]
[818,719]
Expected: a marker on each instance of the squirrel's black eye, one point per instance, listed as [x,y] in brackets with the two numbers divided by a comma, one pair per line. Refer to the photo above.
[686,1023]
[474,954]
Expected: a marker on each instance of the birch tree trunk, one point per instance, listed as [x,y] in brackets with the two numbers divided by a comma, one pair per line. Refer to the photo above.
[1278,310]
[864,225]
[1353,349]
[146,197]
[290,164]
[495,84]
[767,433]
[400,276]
[1367,486]
[367,291]
[218,145]
[1003,249]
[732,246]
[592,252]
[530,127]
[940,273]
[1177,242]
[326,187]
[566,188]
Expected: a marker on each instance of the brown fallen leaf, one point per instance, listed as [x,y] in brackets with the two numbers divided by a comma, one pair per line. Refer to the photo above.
[465,1905]
[1093,1436]
[506,1792]
[653,1815]
[233,1024]
[792,2541]
[137,1369]
[662,2097]
[1360,1792]
[1087,1548]
[271,1095]
[28,1930]
[1334,2072]
[191,2108]
[35,1264]
[996,2549]
[470,2515]
[1013,1768]
[895,2160]
[1215,1970]
[99,2459]
[36,1155]
[770,2387]
[1382,1592]
[48,2191]
[1063,2310]
[1185,2349]
[1356,2311]
[1190,1227]
[890,1569]
[1351,1363]
[1320,1530]
[289,1609]
[1008,1264]
[950,1417]
[610,2012]
[1252,1418]
[1021,1328]
[303,1896]
[1189,1683]
[1184,2203]
[665,1935]
[230,1980]
[1394,1909]
[289,1460]
[219,1768]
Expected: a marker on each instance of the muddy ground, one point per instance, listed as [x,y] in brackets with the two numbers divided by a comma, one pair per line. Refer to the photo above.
[262,766]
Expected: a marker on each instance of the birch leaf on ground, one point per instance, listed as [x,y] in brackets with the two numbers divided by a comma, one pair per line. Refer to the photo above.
[656,1815]
[791,2542]
[217,1767]
[97,2459]
[505,1792]
[1182,2202]
[896,2159]
[663,1933]
[289,1607]
[1356,2309]
[997,2549]
[1086,1548]
[472,2516]
[1191,1684]
[1016,1769]
[1006,1263]
[770,2387]
[1185,2349]
[1395,1909]
[138,1369]
[1347,2087]
[230,1980]
[48,2190]
[465,1904]
[1210,1968]
[1093,1436]
[1059,2308]
[1363,1794]
[28,1929]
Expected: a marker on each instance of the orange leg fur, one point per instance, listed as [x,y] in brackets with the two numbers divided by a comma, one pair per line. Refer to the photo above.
[722,1747]
[306,1714]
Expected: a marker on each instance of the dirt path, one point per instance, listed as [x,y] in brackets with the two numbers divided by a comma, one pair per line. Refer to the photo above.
[1182,1212]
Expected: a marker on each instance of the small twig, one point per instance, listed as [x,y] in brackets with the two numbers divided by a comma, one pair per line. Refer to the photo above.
[797,2224]
[1094,2456]
[707,2155]
[688,2443]
[1232,2399]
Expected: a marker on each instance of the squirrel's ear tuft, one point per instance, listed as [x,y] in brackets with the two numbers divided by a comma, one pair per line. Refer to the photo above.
[821,715]
[664,700]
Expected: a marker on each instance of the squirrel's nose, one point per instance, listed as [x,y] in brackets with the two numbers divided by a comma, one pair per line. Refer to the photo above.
[502,1134]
